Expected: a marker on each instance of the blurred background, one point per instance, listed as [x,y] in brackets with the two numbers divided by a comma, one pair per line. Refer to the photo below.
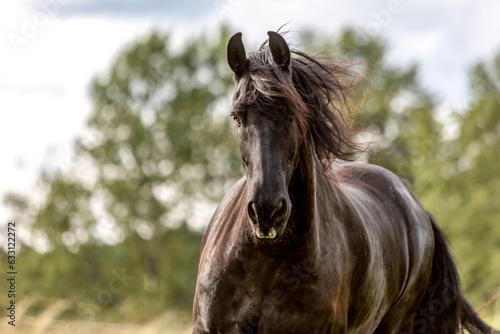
[116,144]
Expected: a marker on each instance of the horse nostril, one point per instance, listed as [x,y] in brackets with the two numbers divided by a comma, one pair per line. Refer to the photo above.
[252,212]
[261,212]
[280,209]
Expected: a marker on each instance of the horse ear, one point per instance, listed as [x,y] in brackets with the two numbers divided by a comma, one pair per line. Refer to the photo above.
[279,49]
[236,56]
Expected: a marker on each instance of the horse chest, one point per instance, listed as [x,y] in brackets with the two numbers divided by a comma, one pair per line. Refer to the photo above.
[250,297]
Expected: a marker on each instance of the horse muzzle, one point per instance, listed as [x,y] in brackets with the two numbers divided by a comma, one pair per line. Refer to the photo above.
[269,216]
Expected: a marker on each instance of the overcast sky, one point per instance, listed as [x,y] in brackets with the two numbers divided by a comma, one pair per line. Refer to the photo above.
[51,49]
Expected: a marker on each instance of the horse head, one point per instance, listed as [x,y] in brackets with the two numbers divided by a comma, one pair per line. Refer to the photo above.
[266,129]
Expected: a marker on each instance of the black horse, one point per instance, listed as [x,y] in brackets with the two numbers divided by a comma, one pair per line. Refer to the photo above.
[307,244]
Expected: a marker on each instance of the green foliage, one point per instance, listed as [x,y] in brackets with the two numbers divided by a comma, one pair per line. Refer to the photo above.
[158,152]
[467,198]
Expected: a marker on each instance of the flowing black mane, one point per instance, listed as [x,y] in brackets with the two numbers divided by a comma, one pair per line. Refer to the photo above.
[316,96]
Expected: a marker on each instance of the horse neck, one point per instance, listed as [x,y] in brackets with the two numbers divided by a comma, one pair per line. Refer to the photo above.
[310,186]
[302,190]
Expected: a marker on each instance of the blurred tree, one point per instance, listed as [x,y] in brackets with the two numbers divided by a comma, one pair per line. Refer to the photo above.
[467,200]
[156,155]
[397,114]
[160,150]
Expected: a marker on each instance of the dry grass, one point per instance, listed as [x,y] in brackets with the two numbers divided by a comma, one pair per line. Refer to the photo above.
[47,321]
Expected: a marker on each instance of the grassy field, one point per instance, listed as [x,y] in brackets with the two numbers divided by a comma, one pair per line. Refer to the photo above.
[49,319]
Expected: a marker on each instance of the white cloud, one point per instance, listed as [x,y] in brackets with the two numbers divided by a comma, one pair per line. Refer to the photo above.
[44,91]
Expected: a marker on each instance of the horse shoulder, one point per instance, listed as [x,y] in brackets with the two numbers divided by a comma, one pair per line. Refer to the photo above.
[212,283]
[228,202]
[398,230]
[390,189]
[386,191]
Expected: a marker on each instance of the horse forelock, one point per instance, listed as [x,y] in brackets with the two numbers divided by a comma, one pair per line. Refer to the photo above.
[269,90]
[314,92]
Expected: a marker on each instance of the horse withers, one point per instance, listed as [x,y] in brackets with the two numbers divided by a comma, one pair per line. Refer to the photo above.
[304,243]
